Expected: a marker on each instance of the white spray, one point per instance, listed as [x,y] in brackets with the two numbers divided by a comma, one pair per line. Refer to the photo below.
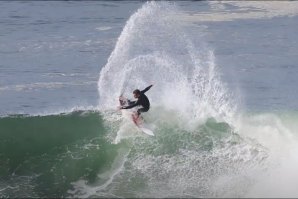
[154,48]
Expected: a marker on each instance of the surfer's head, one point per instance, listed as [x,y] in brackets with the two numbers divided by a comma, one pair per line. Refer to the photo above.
[136,93]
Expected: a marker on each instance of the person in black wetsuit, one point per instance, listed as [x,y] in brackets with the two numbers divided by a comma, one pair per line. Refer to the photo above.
[142,101]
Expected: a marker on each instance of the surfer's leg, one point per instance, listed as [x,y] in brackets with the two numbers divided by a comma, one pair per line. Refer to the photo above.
[138,112]
[142,110]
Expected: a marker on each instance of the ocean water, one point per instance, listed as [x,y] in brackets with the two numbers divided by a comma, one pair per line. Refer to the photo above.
[223,102]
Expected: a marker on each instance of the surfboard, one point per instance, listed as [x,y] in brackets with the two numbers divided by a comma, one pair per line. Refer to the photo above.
[138,121]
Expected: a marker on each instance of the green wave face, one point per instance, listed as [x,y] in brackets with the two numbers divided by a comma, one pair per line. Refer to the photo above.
[46,156]
[41,155]
[74,155]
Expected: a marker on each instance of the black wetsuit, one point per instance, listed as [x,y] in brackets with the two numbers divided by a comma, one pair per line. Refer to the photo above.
[142,101]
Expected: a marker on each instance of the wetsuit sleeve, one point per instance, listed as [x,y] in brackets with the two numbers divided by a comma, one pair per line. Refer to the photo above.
[146,89]
[131,102]
[131,105]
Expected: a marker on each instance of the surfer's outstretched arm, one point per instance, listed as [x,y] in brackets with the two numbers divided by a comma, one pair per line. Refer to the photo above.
[131,102]
[130,106]
[146,89]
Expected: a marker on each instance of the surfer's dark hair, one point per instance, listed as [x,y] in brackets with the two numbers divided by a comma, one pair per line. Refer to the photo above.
[137,91]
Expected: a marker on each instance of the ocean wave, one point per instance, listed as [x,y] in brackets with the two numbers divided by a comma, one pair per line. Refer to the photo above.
[204,145]
[44,85]
[77,151]
[235,10]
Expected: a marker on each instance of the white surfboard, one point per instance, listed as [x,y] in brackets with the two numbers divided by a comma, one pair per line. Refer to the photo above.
[147,131]
[140,124]
[136,120]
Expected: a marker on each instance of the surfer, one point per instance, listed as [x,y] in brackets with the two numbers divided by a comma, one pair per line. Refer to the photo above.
[142,100]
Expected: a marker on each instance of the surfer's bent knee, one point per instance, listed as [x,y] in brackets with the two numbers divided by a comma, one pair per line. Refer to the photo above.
[142,110]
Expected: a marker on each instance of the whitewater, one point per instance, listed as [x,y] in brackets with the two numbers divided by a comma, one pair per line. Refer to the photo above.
[191,103]
[207,143]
